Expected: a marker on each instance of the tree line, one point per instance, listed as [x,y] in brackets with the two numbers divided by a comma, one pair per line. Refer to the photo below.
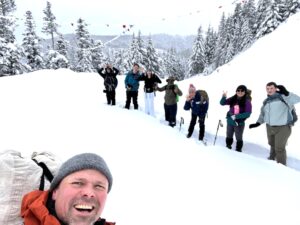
[236,32]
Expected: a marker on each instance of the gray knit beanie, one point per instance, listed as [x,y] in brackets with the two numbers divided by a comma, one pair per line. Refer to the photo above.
[82,162]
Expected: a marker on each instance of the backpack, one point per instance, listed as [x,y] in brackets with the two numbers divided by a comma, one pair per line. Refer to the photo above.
[177,96]
[20,175]
[204,95]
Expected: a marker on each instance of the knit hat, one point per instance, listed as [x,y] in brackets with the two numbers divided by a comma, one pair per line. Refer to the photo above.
[82,162]
[171,79]
[192,88]
[242,87]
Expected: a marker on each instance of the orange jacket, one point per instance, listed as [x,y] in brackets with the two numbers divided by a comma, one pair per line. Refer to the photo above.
[35,212]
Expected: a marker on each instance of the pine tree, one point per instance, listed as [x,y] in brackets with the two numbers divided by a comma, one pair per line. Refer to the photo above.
[134,54]
[222,43]
[197,59]
[31,44]
[10,52]
[62,46]
[152,59]
[55,60]
[84,45]
[173,65]
[209,49]
[97,53]
[50,26]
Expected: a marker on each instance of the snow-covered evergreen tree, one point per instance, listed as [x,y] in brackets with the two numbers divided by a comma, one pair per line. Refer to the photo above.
[50,26]
[152,58]
[209,49]
[10,52]
[134,54]
[84,46]
[97,53]
[55,60]
[173,65]
[118,60]
[62,45]
[222,43]
[197,59]
[31,44]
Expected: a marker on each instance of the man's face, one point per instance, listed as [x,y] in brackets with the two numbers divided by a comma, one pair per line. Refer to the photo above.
[80,197]
[271,90]
[135,68]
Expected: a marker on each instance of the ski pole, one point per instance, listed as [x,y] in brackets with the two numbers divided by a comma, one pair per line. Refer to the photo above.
[181,122]
[220,124]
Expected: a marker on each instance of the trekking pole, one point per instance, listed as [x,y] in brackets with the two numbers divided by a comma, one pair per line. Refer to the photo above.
[181,122]
[220,124]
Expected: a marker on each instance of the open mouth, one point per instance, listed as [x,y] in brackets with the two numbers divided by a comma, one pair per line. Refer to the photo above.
[84,208]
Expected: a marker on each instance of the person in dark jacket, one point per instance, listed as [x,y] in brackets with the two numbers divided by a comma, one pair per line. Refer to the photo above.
[132,86]
[276,113]
[199,107]
[240,108]
[77,194]
[151,81]
[109,74]
[170,105]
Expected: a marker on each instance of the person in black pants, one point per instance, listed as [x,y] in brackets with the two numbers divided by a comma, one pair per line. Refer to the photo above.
[109,74]
[199,106]
[132,86]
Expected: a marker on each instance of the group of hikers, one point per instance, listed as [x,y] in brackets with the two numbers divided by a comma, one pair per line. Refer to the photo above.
[276,110]
[79,189]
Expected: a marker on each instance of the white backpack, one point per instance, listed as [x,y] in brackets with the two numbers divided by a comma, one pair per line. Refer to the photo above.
[19,176]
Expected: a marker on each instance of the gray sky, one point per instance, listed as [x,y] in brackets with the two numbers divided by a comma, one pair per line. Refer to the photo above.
[109,17]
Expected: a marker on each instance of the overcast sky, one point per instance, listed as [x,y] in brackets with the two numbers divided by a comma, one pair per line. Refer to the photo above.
[109,17]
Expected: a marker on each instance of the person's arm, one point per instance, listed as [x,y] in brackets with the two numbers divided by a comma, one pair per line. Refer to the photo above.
[162,88]
[115,71]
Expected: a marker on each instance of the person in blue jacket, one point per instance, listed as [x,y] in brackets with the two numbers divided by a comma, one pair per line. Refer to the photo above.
[199,105]
[132,86]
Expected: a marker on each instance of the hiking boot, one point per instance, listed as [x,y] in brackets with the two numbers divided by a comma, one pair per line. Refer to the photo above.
[188,135]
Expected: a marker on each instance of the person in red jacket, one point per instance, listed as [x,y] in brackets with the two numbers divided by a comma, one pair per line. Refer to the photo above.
[77,194]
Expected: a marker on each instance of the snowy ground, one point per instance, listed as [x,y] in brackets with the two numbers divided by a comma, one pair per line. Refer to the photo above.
[160,176]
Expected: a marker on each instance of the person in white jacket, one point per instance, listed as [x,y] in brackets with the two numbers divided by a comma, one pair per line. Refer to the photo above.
[276,113]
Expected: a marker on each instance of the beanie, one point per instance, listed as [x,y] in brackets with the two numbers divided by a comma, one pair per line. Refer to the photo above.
[192,88]
[82,162]
[242,87]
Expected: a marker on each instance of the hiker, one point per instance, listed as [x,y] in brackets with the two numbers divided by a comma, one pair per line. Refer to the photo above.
[77,194]
[151,81]
[276,113]
[109,74]
[199,105]
[171,97]
[132,86]
[240,108]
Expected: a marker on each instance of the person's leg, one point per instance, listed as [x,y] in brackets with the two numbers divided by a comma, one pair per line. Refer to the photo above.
[128,99]
[239,130]
[281,137]
[135,99]
[113,97]
[201,127]
[229,136]
[192,125]
[271,141]
[173,112]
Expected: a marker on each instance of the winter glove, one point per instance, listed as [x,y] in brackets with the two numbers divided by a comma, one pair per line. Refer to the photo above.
[282,90]
[253,125]
[233,117]
[129,86]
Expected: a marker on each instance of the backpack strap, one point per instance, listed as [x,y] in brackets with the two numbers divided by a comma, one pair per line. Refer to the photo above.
[46,173]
